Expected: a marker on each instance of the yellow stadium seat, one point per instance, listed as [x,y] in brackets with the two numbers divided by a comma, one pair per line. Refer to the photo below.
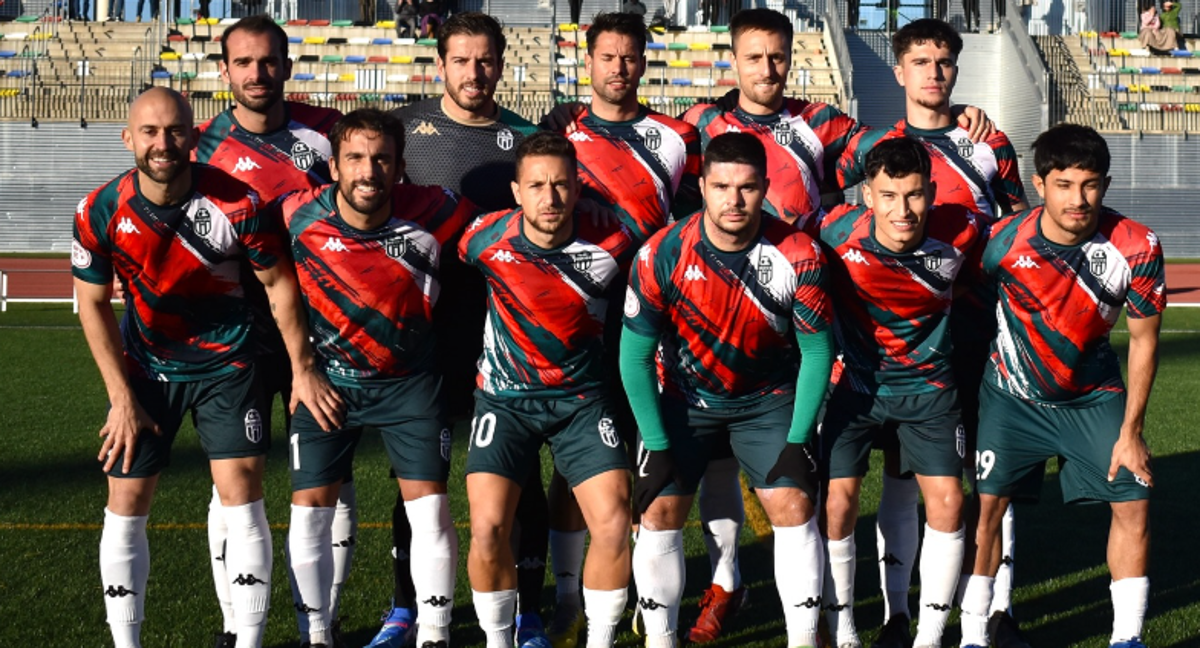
[314,40]
[679,64]
[169,56]
[386,24]
[699,46]
[349,77]
[568,27]
[402,59]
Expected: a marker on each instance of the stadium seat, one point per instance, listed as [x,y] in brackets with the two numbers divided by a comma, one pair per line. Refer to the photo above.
[7,53]
[160,74]
[404,60]
[566,44]
[318,23]
[423,60]
[17,73]
[193,56]
[314,40]
[16,36]
[398,78]
[404,41]
[1149,70]
[677,46]
[308,58]
[335,40]
[177,38]
[656,64]
[381,41]
[331,58]
[718,47]
[704,83]
[386,24]
[723,65]
[700,46]
[719,29]
[343,23]
[702,64]
[1171,70]
[1180,53]
[209,74]
[356,58]
[681,82]
[295,40]
[568,27]
[358,41]
[426,42]
[679,64]
[1131,35]
[727,82]
[656,46]
[346,78]
[378,59]
[298,22]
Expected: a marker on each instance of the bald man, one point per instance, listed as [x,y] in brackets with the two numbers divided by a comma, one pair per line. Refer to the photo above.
[174,233]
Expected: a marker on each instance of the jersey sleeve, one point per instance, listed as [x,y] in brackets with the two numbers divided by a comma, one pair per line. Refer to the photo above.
[644,303]
[838,132]
[91,251]
[851,166]
[1147,294]
[258,231]
[812,310]
[450,217]
[1006,186]
[476,238]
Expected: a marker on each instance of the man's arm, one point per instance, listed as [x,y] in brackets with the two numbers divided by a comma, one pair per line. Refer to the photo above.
[308,385]
[641,385]
[126,418]
[1130,449]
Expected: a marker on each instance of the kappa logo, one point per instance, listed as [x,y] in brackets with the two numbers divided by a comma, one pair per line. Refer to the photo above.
[608,432]
[254,428]
[504,256]
[350,541]
[581,261]
[730,128]
[334,244]
[425,128]
[650,604]
[202,222]
[579,136]
[475,224]
[835,607]
[1098,263]
[810,603]
[1025,262]
[118,592]
[248,579]
[245,164]
[644,254]
[505,139]
[81,208]
[303,156]
[126,226]
[940,607]
[531,562]
[395,247]
[80,257]
[694,273]
[784,135]
[652,139]
[303,608]
[855,256]
[437,601]
[891,559]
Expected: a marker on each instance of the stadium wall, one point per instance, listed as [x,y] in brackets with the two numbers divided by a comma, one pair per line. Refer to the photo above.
[1153,180]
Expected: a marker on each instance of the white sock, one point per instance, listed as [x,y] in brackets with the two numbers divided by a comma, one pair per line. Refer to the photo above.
[124,570]
[897,536]
[941,564]
[604,610]
[799,559]
[310,554]
[1002,589]
[976,601]
[838,599]
[1129,598]
[217,532]
[566,559]
[722,514]
[344,536]
[658,570]
[248,557]
[434,557]
[495,612]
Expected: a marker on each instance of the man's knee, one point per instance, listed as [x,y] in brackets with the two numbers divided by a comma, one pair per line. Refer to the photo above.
[786,507]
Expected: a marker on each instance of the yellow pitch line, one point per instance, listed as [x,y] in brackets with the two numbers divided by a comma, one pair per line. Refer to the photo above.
[756,517]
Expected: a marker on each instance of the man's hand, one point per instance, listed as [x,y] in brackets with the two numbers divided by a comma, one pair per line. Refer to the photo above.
[321,399]
[561,119]
[118,292]
[125,421]
[655,470]
[1131,451]
[796,462]
[729,100]
[602,217]
[975,121]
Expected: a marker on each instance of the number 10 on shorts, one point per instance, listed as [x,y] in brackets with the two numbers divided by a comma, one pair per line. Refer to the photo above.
[483,430]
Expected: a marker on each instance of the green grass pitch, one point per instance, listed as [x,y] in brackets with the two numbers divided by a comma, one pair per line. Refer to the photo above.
[52,404]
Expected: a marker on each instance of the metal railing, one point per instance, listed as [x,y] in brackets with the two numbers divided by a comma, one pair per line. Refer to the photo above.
[841,54]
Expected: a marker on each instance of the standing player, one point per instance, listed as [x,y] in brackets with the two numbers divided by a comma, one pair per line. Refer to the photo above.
[483,136]
[367,252]
[640,163]
[894,263]
[541,380]
[174,232]
[722,300]
[1053,385]
[276,147]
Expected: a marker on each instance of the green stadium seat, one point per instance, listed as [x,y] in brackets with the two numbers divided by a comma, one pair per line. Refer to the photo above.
[26,19]
[677,47]
[343,23]
[331,58]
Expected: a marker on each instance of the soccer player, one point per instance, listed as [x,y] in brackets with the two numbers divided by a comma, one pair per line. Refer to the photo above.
[466,142]
[276,147]
[549,273]
[720,302]
[895,262]
[367,252]
[173,232]
[645,165]
[1053,387]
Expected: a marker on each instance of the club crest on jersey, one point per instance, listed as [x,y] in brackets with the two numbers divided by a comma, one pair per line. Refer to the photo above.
[932,262]
[504,139]
[652,139]
[581,261]
[766,271]
[395,246]
[783,133]
[303,156]
[202,222]
[254,428]
[80,257]
[1098,263]
[966,148]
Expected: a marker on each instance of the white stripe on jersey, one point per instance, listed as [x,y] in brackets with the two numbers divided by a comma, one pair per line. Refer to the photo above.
[493,381]
[816,149]
[316,141]
[1115,276]
[427,246]
[983,158]
[952,261]
[781,285]
[671,153]
[222,238]
[1015,358]
[602,269]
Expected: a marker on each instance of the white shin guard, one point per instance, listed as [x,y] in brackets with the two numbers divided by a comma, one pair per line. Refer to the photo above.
[799,560]
[722,514]
[658,570]
[897,536]
[248,559]
[124,570]
[217,534]
[344,535]
[434,557]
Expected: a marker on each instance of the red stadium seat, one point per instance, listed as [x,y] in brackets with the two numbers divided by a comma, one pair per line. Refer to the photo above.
[703,64]
[377,59]
[299,22]
[727,82]
[318,23]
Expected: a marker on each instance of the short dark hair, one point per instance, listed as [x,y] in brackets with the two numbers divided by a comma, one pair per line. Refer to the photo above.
[260,24]
[546,143]
[625,24]
[736,148]
[371,120]
[898,158]
[471,23]
[767,20]
[1067,146]
[926,30]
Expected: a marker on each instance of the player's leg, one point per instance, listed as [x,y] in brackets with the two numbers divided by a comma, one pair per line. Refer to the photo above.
[721,516]
[1128,555]
[532,542]
[399,620]
[897,537]
[567,537]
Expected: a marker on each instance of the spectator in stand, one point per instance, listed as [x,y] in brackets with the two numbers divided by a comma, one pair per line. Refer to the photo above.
[971,13]
[1153,33]
[406,19]
[116,10]
[1170,20]
[154,7]
[634,7]
[366,11]
[431,18]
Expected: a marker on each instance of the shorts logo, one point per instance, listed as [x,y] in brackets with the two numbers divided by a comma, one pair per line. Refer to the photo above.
[960,441]
[395,246]
[445,443]
[783,133]
[765,270]
[254,428]
[504,139]
[80,257]
[1141,482]
[202,222]
[303,156]
[632,305]
[652,139]
[933,262]
[581,261]
[1098,263]
[608,432]
[966,148]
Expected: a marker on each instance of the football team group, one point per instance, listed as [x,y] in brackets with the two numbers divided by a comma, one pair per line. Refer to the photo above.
[395,273]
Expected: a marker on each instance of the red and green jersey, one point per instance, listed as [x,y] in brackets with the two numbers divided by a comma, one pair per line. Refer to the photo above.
[370,294]
[291,158]
[186,317]
[727,321]
[646,165]
[804,142]
[544,333]
[893,309]
[1057,304]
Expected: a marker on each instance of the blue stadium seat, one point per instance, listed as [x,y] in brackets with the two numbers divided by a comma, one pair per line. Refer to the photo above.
[656,46]
[295,39]
[1150,70]
[355,58]
[725,65]
[7,53]
[1180,53]
[681,82]
[381,41]
[160,74]
[304,76]
[17,73]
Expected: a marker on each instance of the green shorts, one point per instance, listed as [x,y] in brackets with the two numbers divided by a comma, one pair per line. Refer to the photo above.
[507,436]
[928,431]
[1017,436]
[757,434]
[407,412]
[227,411]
